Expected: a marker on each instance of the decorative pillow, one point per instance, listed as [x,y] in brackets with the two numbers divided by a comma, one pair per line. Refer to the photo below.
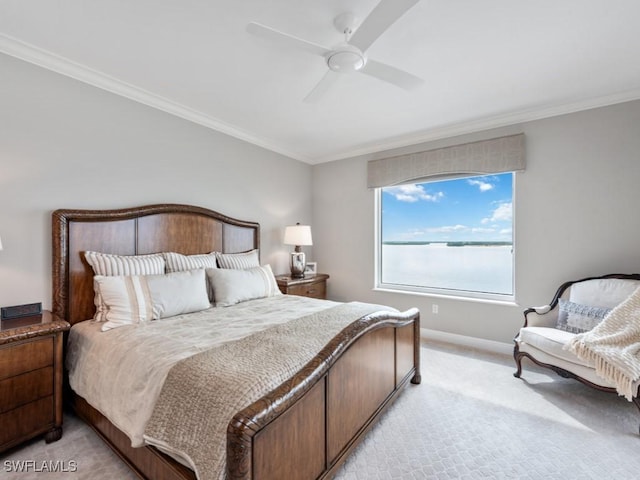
[235,286]
[132,299]
[176,262]
[177,293]
[110,265]
[238,261]
[577,318]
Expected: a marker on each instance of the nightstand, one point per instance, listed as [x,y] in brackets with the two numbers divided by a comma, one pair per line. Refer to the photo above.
[31,378]
[314,286]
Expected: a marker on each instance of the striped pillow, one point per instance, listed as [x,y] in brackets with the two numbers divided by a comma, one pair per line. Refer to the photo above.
[235,286]
[239,261]
[108,264]
[126,300]
[132,299]
[176,262]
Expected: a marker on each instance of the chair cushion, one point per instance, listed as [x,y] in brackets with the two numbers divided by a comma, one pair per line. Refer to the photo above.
[603,292]
[551,341]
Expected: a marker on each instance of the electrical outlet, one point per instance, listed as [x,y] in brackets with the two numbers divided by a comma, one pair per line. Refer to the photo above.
[434,308]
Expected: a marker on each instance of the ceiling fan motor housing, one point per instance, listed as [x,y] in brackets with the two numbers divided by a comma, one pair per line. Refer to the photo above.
[346,59]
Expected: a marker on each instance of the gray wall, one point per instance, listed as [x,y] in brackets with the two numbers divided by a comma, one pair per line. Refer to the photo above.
[575,216]
[65,144]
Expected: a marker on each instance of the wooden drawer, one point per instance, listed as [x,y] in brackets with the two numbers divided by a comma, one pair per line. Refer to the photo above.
[31,379]
[28,420]
[313,290]
[25,356]
[25,388]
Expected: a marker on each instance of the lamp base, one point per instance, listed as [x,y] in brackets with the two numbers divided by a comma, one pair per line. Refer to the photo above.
[297,264]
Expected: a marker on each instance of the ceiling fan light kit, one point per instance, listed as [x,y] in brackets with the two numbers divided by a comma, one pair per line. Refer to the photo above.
[346,59]
[350,56]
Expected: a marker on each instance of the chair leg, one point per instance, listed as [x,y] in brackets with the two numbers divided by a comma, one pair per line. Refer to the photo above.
[518,360]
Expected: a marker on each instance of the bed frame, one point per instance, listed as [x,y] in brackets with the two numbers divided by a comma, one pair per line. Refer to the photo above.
[303,429]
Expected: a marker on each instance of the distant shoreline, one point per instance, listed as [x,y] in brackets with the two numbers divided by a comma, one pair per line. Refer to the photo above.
[454,244]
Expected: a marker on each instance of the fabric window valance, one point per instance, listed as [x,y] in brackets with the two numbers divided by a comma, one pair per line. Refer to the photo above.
[497,155]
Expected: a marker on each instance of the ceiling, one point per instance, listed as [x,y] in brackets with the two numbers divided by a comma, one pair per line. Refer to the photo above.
[484,63]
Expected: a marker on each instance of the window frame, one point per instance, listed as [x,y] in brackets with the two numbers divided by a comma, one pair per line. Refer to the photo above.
[379,285]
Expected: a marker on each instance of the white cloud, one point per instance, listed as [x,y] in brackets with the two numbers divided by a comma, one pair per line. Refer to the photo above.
[503,213]
[413,193]
[448,229]
[482,230]
[483,186]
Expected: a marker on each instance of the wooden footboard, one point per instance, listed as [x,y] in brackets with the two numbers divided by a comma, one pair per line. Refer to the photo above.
[306,428]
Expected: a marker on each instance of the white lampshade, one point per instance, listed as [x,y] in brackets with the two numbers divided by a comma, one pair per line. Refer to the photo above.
[298,235]
[0,244]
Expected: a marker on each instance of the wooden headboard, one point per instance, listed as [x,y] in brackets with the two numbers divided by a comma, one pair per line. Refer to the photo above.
[134,231]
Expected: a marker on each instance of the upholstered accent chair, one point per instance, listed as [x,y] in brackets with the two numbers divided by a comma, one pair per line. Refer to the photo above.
[576,307]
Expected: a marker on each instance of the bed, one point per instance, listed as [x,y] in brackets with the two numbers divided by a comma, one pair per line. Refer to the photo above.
[304,427]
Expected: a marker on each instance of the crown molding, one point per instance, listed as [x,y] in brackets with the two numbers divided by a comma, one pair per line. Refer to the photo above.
[50,61]
[487,123]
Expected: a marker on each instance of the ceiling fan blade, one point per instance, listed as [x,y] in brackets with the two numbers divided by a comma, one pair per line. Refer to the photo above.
[392,75]
[285,39]
[381,17]
[321,87]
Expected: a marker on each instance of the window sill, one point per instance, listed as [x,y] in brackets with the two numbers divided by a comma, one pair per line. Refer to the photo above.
[507,301]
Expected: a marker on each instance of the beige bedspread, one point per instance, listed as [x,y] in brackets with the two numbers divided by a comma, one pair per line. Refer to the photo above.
[202,393]
[120,372]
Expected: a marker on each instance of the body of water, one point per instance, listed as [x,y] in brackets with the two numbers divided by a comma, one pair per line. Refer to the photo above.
[486,269]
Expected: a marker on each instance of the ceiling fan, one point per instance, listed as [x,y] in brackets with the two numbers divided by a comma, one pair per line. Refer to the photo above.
[350,56]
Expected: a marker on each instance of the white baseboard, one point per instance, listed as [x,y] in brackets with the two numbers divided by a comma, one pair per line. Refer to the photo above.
[473,342]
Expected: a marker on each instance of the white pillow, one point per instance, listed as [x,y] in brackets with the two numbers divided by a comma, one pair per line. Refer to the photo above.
[239,261]
[111,265]
[132,299]
[176,262]
[177,293]
[235,286]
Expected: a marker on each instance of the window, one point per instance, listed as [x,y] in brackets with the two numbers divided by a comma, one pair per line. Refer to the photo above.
[452,237]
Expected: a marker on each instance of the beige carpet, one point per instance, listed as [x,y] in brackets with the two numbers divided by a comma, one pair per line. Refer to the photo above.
[470,419]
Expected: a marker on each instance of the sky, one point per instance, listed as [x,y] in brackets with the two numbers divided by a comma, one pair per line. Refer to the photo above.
[464,209]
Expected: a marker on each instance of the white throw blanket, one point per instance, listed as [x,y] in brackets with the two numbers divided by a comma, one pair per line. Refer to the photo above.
[614,346]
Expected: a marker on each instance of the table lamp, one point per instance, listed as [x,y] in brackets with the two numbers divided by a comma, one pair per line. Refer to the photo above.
[297,235]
